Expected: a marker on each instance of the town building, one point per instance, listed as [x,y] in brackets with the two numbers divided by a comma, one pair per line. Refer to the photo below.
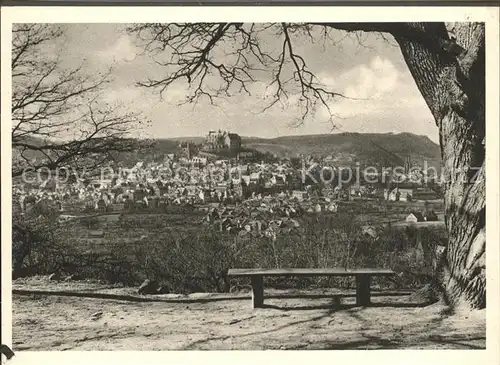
[300,195]
[397,194]
[233,141]
[425,194]
[222,140]
[430,216]
[415,217]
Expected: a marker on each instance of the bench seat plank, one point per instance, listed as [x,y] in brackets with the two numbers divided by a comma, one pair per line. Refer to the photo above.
[310,272]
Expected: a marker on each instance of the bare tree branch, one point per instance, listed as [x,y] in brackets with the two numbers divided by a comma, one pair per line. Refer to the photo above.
[58,117]
[218,59]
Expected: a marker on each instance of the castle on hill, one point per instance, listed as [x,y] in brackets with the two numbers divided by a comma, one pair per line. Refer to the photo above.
[217,144]
[217,141]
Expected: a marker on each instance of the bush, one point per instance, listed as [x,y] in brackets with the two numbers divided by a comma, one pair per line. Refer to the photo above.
[35,249]
[186,259]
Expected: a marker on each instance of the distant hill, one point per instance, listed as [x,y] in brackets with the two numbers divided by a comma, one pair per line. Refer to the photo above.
[345,148]
[386,149]
[195,139]
[368,148]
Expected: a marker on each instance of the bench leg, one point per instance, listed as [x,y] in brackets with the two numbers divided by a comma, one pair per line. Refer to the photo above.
[257,291]
[363,290]
[336,302]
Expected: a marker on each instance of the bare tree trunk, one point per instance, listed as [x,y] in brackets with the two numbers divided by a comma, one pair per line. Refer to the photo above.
[457,103]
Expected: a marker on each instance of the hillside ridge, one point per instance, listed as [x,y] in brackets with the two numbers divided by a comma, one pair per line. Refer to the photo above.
[388,149]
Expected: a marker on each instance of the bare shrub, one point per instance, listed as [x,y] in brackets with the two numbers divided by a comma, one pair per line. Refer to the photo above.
[185,258]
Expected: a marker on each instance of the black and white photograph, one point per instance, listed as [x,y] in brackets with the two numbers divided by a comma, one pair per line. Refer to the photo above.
[250,185]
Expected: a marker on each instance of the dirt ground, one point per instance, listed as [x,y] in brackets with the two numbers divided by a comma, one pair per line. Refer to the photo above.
[291,320]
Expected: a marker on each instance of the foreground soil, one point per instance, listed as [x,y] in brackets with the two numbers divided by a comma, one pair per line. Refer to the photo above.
[118,319]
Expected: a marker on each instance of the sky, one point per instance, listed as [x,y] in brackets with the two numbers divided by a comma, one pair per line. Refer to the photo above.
[372,73]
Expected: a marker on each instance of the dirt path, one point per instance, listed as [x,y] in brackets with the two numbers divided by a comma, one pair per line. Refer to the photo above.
[205,321]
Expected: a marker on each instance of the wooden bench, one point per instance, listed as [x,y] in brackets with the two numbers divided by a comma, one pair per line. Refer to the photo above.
[363,278]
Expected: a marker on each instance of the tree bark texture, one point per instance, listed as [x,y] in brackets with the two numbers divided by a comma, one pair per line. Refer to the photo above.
[453,85]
